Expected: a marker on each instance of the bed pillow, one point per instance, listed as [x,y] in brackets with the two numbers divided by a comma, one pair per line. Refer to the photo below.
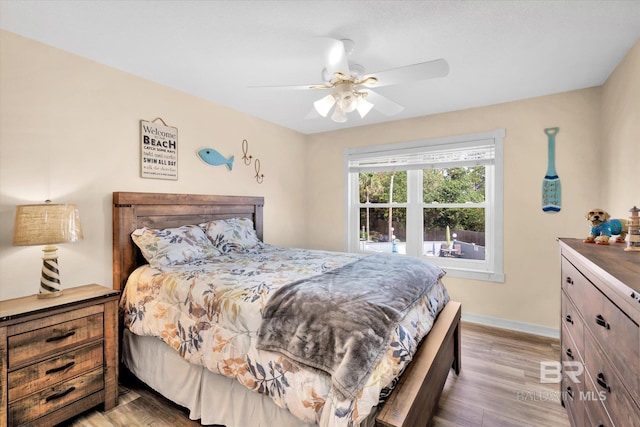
[173,245]
[232,235]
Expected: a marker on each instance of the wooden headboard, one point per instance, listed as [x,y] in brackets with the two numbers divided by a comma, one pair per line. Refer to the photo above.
[158,210]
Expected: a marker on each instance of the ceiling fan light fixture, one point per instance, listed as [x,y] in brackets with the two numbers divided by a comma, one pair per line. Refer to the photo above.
[346,98]
[348,101]
[338,115]
[364,107]
[323,105]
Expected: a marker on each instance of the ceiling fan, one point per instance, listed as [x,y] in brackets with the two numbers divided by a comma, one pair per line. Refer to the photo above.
[351,89]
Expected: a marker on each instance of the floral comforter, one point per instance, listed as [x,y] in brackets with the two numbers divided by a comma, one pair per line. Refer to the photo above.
[210,313]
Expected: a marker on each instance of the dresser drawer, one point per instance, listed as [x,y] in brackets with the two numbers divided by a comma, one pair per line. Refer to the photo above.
[573,282]
[595,413]
[571,393]
[37,344]
[573,327]
[52,371]
[617,400]
[593,282]
[51,398]
[617,334]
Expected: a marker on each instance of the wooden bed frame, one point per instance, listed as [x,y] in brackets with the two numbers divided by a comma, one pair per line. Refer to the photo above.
[414,400]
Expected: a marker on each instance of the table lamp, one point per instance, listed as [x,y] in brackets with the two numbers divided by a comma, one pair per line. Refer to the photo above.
[47,224]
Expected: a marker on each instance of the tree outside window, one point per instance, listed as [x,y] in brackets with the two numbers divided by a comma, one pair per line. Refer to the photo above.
[440,199]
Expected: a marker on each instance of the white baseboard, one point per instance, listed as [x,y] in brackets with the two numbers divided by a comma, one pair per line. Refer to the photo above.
[513,325]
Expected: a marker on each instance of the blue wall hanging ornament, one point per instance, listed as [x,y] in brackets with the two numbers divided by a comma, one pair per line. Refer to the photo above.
[213,158]
[551,188]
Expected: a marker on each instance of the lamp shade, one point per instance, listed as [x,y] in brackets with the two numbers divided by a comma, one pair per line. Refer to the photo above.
[46,224]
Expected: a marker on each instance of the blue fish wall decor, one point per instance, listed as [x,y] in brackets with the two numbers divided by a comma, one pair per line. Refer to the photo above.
[213,158]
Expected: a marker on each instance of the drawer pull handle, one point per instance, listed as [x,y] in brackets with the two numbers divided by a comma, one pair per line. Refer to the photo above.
[570,392]
[569,280]
[59,395]
[60,368]
[602,383]
[569,319]
[61,337]
[600,321]
[569,353]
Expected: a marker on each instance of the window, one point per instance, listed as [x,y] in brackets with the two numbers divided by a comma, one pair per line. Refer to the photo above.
[437,198]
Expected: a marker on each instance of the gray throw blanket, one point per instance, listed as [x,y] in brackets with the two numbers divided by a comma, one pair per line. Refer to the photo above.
[340,322]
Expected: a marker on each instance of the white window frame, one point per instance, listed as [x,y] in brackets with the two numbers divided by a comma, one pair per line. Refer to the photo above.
[489,269]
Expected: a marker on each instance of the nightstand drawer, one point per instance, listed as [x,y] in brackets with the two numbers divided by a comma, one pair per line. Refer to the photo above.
[52,398]
[59,356]
[51,371]
[37,344]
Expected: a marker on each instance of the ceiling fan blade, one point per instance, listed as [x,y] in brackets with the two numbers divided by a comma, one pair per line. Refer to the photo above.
[383,104]
[421,71]
[295,87]
[335,56]
[312,114]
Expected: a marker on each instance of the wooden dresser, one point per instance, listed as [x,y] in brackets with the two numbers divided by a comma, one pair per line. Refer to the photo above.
[58,355]
[600,336]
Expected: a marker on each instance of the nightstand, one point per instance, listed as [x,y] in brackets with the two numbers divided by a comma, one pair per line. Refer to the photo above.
[59,356]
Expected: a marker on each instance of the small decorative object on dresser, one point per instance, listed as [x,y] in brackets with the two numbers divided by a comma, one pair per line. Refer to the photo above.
[59,356]
[633,236]
[603,227]
[600,336]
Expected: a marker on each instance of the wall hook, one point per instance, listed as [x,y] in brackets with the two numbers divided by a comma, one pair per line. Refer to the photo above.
[245,150]
[259,177]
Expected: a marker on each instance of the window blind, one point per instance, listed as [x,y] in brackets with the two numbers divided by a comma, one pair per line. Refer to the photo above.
[425,159]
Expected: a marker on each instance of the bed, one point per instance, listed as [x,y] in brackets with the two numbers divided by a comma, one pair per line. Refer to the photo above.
[216,399]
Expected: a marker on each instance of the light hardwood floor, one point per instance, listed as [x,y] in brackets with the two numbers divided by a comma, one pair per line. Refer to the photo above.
[499,386]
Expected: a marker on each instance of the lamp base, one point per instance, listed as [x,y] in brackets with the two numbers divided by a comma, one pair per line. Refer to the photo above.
[50,281]
[43,295]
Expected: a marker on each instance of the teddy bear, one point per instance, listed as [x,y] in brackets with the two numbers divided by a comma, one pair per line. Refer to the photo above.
[603,227]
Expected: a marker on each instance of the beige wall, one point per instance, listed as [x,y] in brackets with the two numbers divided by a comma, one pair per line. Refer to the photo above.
[621,136]
[530,293]
[593,124]
[69,131]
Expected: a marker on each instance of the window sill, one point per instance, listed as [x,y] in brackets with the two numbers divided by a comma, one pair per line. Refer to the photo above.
[463,273]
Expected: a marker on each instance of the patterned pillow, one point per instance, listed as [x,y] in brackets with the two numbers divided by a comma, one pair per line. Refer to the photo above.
[173,245]
[232,235]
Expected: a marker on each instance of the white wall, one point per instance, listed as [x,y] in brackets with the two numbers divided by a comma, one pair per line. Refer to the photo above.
[69,132]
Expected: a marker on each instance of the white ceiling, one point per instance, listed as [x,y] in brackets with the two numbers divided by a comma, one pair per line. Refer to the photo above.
[497,51]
